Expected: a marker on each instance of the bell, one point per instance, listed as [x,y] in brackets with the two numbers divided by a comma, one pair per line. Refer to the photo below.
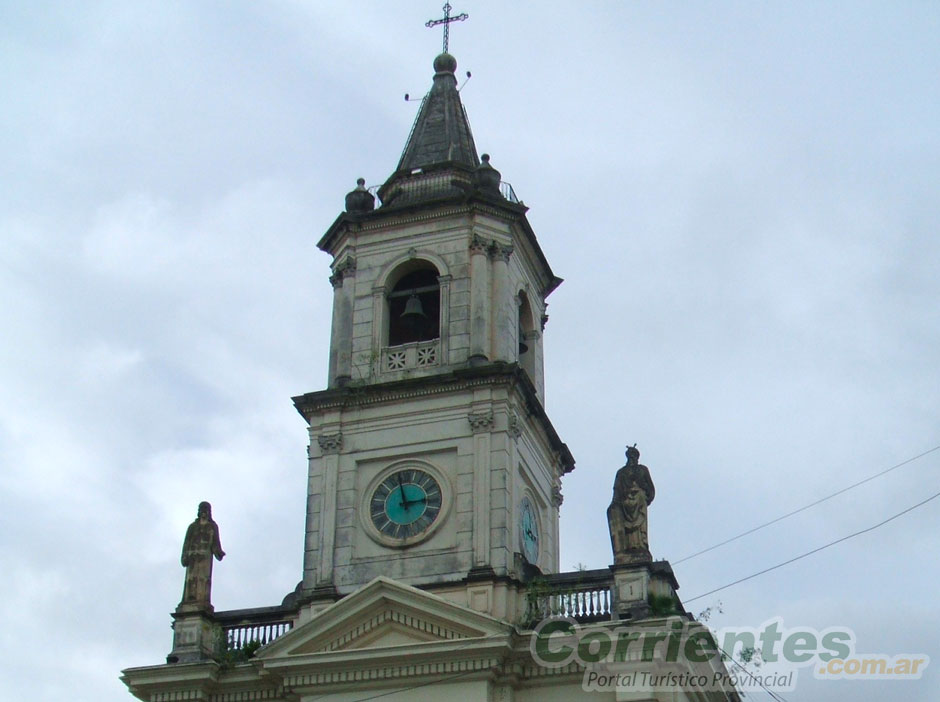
[413,310]
[523,346]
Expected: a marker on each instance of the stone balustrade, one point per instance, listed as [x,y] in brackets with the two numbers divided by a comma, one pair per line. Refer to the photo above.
[241,627]
[585,596]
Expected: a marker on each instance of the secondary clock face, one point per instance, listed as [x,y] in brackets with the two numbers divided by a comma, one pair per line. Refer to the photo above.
[529,530]
[405,504]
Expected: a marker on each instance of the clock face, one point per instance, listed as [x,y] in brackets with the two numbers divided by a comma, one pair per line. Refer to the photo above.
[529,530]
[405,504]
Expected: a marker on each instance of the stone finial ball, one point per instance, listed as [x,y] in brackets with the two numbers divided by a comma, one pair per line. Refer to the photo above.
[360,199]
[445,63]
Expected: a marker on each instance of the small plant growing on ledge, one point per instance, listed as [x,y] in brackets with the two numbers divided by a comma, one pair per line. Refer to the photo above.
[536,590]
[662,605]
[228,657]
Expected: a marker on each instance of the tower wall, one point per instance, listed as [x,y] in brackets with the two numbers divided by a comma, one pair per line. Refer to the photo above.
[482,268]
[474,435]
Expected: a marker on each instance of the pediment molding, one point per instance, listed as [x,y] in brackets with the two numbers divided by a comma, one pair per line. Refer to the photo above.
[384,614]
[412,626]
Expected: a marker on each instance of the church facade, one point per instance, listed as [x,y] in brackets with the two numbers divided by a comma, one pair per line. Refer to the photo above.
[431,562]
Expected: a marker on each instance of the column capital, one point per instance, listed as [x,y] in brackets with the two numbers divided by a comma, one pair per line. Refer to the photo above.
[514,425]
[342,270]
[330,443]
[478,245]
[500,252]
[480,421]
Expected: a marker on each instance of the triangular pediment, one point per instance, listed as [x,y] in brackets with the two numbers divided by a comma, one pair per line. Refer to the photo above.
[383,614]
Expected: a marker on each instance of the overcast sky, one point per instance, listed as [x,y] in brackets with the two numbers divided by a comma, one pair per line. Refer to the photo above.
[741,197]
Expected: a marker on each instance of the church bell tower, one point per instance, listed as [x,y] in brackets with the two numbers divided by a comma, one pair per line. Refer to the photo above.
[431,558]
[431,458]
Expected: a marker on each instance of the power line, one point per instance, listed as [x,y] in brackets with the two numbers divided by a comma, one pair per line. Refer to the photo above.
[772,694]
[806,507]
[776,697]
[816,550]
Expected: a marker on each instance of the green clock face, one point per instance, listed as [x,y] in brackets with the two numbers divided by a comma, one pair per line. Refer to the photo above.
[405,504]
[529,530]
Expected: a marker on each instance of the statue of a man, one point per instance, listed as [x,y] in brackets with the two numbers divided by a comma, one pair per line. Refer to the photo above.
[626,516]
[200,545]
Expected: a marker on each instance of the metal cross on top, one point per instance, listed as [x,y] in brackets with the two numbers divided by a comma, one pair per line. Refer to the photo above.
[446,22]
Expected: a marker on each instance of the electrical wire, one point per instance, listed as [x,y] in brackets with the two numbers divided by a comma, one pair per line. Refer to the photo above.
[805,507]
[815,550]
[775,696]
[772,694]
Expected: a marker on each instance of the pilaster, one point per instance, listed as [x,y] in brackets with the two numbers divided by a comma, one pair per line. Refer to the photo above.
[505,316]
[330,446]
[479,301]
[445,282]
[378,330]
[481,423]
[342,330]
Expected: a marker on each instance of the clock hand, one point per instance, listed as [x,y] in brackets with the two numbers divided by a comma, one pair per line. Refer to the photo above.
[404,499]
[407,503]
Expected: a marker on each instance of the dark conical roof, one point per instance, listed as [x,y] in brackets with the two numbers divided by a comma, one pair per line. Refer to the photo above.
[441,132]
[440,156]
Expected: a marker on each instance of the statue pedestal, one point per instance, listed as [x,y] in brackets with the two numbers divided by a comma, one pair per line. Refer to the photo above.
[195,636]
[631,590]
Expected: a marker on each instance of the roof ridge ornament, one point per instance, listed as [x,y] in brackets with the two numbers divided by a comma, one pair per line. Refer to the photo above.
[446,20]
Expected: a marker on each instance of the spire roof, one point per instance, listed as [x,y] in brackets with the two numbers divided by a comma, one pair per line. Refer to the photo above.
[441,132]
[439,157]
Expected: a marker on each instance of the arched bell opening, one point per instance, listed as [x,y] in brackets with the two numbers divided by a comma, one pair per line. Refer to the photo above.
[414,305]
[526,336]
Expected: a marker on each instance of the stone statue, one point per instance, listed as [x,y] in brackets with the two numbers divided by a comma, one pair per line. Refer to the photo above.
[200,545]
[626,516]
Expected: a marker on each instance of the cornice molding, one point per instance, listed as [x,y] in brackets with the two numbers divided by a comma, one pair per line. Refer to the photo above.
[505,374]
[483,665]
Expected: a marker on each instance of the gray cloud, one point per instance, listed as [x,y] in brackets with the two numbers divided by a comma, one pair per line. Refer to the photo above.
[742,202]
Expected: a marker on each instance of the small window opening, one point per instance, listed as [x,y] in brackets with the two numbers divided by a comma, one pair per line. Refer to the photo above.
[414,308]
